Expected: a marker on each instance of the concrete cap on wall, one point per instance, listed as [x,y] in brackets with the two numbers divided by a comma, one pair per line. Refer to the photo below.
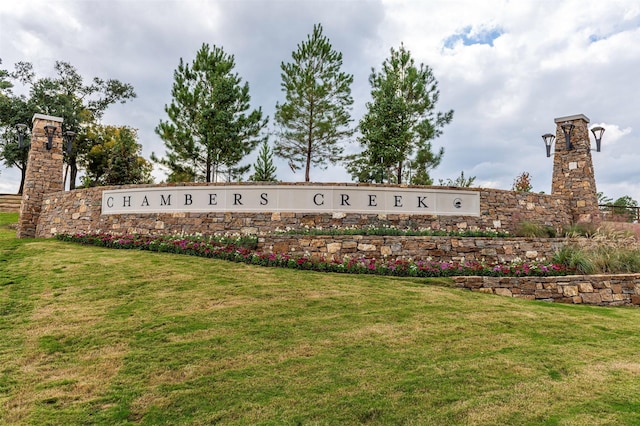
[46,118]
[571,118]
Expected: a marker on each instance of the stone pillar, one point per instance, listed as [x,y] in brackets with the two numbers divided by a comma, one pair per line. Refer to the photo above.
[43,174]
[573,175]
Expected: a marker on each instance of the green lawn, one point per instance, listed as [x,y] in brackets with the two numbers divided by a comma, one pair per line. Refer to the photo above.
[99,336]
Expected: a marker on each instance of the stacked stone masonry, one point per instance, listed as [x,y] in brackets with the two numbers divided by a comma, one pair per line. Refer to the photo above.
[439,249]
[573,174]
[43,176]
[602,290]
[80,211]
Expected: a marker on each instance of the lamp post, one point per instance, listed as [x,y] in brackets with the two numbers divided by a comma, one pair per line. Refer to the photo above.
[50,131]
[548,139]
[597,134]
[22,132]
[567,129]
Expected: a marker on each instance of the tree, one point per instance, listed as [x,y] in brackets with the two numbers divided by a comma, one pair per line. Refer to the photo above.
[67,96]
[316,113]
[13,110]
[460,181]
[208,124]
[626,208]
[603,199]
[522,183]
[400,122]
[115,157]
[264,170]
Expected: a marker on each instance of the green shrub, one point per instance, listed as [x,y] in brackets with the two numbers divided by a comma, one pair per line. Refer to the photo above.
[575,258]
[534,230]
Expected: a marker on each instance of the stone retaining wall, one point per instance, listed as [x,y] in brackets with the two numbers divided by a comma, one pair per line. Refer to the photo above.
[604,290]
[80,211]
[442,249]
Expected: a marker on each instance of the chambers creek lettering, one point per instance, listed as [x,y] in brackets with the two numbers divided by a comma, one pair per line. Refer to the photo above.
[239,199]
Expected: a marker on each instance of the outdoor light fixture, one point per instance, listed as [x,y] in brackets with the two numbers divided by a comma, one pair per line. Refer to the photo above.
[567,129]
[22,132]
[548,139]
[50,131]
[597,133]
[68,137]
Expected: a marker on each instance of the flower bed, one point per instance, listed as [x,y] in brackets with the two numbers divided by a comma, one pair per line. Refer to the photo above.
[242,249]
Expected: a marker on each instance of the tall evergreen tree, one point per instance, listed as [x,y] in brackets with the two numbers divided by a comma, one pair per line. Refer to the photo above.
[400,123]
[315,116]
[209,124]
[264,170]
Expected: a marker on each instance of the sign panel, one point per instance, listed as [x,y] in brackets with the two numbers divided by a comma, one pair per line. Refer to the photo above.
[292,198]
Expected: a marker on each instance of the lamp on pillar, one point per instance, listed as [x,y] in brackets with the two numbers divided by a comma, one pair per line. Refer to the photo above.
[548,139]
[68,137]
[50,131]
[597,134]
[567,129]
[22,132]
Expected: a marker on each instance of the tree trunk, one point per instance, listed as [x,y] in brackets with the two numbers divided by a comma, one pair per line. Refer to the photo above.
[23,173]
[309,140]
[399,172]
[73,174]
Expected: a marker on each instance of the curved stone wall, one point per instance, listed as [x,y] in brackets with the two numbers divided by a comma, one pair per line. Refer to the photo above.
[80,211]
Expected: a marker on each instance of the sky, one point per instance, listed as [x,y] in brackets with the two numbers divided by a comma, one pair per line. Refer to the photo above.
[507,68]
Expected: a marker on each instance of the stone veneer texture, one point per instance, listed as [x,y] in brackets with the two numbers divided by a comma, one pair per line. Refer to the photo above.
[603,290]
[80,211]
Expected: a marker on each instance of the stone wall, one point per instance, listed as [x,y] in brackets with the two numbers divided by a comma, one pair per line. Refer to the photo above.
[80,211]
[43,176]
[604,290]
[441,249]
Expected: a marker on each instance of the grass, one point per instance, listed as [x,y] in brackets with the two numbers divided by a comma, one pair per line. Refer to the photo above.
[98,336]
[605,251]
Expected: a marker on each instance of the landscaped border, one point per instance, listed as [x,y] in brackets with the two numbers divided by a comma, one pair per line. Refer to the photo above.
[242,250]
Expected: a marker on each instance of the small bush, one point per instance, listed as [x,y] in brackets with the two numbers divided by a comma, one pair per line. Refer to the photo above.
[534,230]
[575,258]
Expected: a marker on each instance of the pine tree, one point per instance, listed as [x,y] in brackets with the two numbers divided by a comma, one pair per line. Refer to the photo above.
[400,123]
[209,124]
[264,170]
[315,116]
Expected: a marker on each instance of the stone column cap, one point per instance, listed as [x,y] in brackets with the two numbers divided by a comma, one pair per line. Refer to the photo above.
[571,118]
[46,118]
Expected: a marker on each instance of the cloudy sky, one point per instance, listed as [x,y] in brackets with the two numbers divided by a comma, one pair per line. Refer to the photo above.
[506,67]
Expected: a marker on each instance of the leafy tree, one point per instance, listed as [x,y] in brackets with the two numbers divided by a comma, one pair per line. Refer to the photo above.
[603,199]
[209,124]
[115,157]
[264,170]
[67,96]
[400,122]
[13,110]
[626,208]
[316,113]
[460,182]
[522,183]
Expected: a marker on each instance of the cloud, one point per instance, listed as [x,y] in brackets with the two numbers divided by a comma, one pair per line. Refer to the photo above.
[507,68]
